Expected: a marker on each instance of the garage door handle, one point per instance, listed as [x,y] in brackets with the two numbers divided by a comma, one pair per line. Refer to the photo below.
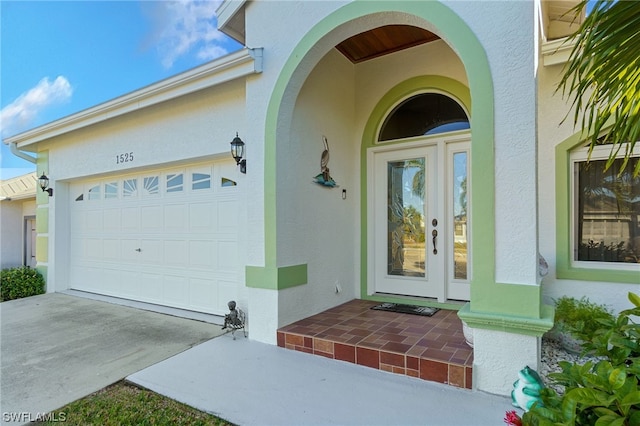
[138,250]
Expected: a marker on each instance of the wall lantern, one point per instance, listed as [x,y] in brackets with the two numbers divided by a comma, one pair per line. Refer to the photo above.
[44,184]
[237,151]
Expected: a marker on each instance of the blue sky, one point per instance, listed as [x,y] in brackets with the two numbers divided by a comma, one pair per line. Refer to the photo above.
[61,57]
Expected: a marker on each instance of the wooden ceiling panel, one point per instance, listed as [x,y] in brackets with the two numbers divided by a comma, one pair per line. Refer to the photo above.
[382,41]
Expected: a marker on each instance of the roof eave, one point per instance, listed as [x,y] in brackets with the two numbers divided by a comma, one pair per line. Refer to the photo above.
[230,67]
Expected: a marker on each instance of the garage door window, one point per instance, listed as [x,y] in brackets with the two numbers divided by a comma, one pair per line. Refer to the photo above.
[130,188]
[94,192]
[200,180]
[175,182]
[111,190]
[151,185]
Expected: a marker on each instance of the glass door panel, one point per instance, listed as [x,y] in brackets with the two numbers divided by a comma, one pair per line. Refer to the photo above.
[405,218]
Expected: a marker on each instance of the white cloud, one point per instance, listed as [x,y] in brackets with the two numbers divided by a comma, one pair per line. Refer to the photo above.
[187,26]
[21,113]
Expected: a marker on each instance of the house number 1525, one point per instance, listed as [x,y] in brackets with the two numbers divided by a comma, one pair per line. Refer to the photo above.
[124,158]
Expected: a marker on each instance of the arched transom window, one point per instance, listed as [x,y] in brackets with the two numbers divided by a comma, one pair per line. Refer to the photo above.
[424,114]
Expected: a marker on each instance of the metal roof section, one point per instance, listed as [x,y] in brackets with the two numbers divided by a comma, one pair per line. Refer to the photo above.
[235,65]
[231,19]
[19,187]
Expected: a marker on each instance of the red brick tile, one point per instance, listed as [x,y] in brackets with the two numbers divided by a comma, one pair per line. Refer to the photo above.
[294,339]
[413,373]
[456,375]
[399,370]
[308,342]
[396,347]
[413,363]
[368,357]
[434,371]
[324,354]
[321,345]
[468,371]
[385,367]
[396,360]
[281,339]
[344,352]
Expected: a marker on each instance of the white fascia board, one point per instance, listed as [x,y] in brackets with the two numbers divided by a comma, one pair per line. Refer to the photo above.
[230,67]
[556,52]
[227,10]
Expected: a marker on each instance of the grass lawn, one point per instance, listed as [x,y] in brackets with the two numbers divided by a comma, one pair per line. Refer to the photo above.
[125,404]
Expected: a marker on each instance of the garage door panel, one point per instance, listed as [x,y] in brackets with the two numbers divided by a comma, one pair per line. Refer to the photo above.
[201,217]
[227,217]
[94,220]
[150,288]
[111,249]
[93,247]
[175,291]
[130,219]
[151,251]
[112,220]
[152,218]
[201,294]
[202,254]
[227,256]
[175,218]
[157,239]
[176,253]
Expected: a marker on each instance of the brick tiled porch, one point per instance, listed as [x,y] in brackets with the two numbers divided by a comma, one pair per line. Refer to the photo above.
[431,348]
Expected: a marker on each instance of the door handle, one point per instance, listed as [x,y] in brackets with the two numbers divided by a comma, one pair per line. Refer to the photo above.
[434,234]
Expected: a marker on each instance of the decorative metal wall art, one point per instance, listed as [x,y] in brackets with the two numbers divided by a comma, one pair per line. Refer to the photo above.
[324,178]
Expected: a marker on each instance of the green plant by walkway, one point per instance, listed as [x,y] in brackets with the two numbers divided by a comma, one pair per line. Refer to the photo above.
[16,283]
[604,393]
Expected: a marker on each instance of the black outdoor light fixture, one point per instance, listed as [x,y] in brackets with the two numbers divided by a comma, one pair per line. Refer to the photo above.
[237,151]
[44,184]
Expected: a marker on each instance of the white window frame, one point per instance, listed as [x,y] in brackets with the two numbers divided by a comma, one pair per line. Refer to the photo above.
[580,155]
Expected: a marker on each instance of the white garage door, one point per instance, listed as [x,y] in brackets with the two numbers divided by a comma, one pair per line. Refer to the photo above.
[167,237]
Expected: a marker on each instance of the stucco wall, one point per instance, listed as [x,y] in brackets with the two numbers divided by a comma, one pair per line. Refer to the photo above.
[11,232]
[552,131]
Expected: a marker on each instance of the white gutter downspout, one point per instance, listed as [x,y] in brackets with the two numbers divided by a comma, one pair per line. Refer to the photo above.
[15,151]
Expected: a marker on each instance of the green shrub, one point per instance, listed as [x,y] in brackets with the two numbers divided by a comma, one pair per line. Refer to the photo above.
[580,317]
[16,283]
[605,393]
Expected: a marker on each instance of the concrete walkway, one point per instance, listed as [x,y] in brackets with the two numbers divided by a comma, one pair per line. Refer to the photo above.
[57,348]
[251,383]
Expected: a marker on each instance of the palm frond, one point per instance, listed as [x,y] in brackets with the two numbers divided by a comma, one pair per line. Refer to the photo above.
[602,76]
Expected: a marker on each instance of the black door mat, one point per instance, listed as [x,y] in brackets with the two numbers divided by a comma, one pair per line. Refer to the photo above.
[406,309]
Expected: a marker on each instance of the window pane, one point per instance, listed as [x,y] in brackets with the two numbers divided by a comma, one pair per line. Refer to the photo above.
[94,193]
[405,220]
[460,215]
[130,188]
[607,212]
[201,181]
[424,114]
[151,186]
[111,190]
[174,182]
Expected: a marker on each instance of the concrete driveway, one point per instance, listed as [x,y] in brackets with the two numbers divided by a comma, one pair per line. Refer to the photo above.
[57,348]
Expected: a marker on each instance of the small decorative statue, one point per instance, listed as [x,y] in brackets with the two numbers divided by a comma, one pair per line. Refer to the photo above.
[234,320]
[526,390]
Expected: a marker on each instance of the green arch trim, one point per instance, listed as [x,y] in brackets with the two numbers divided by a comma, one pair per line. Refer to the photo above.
[455,32]
[564,251]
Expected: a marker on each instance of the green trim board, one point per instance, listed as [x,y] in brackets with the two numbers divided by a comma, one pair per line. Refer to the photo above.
[276,278]
[564,251]
[526,325]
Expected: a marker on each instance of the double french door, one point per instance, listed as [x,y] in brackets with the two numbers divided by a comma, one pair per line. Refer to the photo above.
[419,219]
